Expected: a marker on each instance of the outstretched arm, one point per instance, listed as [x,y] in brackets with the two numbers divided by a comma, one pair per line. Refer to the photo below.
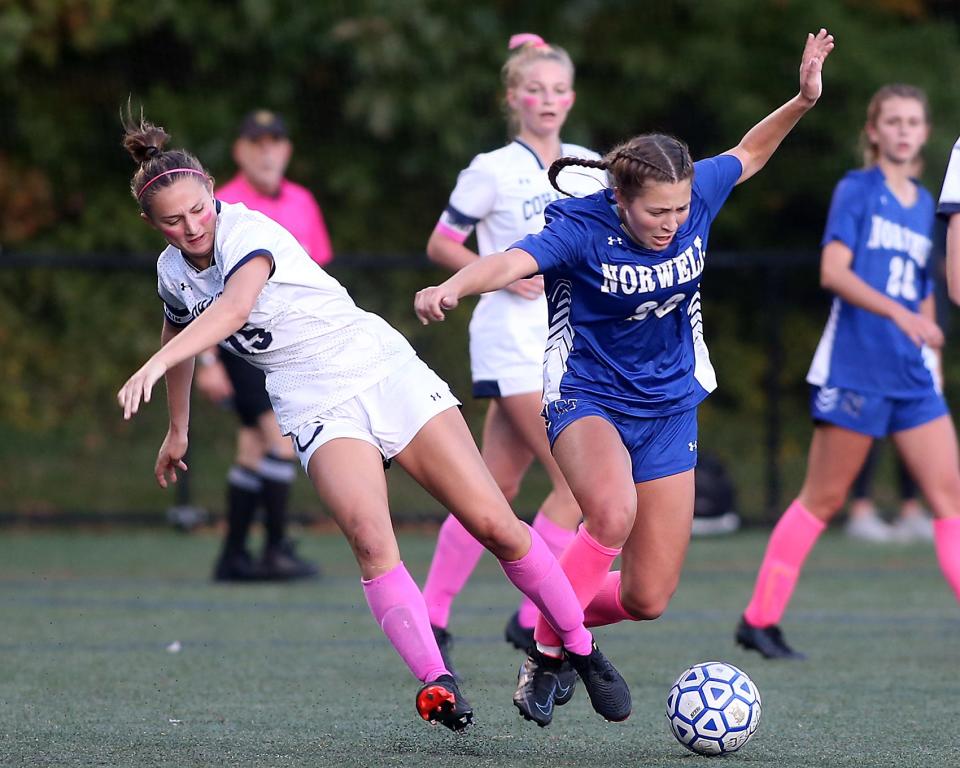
[761,141]
[221,319]
[490,273]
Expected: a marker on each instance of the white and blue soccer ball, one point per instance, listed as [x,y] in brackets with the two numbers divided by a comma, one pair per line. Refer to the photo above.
[713,708]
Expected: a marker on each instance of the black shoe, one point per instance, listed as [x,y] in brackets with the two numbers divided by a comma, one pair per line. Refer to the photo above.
[440,701]
[280,562]
[539,686]
[519,637]
[608,691]
[445,644]
[767,641]
[237,566]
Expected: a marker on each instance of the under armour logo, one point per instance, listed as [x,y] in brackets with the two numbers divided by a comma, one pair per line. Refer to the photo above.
[692,446]
[614,240]
[435,396]
[184,287]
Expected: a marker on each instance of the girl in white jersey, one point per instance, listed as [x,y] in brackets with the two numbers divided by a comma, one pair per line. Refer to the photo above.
[352,393]
[503,195]
[626,363]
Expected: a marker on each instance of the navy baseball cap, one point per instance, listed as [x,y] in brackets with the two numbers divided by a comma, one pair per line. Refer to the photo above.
[263,122]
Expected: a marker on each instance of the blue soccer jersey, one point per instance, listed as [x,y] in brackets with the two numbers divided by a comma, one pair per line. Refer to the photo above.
[625,321]
[859,349]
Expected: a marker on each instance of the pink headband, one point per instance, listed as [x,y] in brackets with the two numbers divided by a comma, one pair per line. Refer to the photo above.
[167,173]
[526,38]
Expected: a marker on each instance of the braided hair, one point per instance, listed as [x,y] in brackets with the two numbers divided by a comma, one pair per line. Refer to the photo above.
[156,168]
[653,157]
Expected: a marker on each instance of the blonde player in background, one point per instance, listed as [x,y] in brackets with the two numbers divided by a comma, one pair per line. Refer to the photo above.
[503,195]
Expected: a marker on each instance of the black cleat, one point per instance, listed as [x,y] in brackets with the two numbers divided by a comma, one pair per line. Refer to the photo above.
[767,641]
[440,701]
[608,691]
[280,562]
[519,637]
[445,644]
[237,566]
[542,683]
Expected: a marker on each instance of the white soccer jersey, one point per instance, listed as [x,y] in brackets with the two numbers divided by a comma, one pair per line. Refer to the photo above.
[950,194]
[316,347]
[504,194]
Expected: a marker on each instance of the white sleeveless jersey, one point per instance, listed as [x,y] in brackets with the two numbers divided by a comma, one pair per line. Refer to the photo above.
[950,193]
[316,347]
[504,194]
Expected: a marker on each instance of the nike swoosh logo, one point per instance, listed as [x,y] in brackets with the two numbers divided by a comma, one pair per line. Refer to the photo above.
[549,708]
[563,690]
[313,437]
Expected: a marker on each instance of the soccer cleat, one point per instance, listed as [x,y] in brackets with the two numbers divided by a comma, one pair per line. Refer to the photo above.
[519,637]
[237,566]
[869,527]
[440,701]
[280,562]
[608,691]
[767,641]
[445,644]
[537,687]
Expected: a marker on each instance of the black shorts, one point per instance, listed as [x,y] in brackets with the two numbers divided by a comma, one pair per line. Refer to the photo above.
[250,398]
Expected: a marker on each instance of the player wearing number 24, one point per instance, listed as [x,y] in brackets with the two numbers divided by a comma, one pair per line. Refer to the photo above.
[626,364]
[875,372]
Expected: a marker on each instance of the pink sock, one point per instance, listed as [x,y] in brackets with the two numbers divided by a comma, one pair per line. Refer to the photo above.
[791,541]
[454,559]
[557,538]
[586,563]
[606,607]
[946,534]
[398,607]
[539,576]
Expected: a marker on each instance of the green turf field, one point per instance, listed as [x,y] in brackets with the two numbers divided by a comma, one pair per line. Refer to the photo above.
[299,675]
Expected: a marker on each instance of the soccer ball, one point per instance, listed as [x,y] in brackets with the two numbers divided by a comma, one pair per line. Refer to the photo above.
[713,708]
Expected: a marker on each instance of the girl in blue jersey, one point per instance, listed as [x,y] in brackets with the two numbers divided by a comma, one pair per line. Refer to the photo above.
[352,393]
[874,371]
[626,364]
[502,194]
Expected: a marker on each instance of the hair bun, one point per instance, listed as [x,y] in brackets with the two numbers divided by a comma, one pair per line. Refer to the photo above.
[525,38]
[152,152]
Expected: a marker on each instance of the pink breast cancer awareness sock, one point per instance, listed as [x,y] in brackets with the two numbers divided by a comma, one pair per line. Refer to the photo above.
[606,607]
[539,576]
[454,559]
[557,538]
[791,541]
[586,563]
[946,536]
[398,607]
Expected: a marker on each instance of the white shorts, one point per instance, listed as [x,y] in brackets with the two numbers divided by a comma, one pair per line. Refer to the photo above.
[388,415]
[508,335]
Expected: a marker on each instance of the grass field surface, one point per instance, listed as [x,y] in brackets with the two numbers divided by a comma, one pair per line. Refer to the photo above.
[300,675]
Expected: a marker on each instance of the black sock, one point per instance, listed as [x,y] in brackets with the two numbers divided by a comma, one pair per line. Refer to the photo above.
[277,475]
[244,487]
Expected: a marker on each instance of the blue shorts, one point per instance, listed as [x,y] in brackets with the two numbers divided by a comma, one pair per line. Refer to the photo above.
[658,446]
[871,414]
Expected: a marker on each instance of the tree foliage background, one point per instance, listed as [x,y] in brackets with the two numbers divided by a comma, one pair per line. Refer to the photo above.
[387,100]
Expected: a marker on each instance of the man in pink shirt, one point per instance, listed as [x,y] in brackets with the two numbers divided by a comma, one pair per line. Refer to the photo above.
[263,467]
[262,151]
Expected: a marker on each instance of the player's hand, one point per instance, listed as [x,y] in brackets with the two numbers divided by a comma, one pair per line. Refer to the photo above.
[527,287]
[815,52]
[170,458]
[213,381]
[921,330]
[430,303]
[139,387]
